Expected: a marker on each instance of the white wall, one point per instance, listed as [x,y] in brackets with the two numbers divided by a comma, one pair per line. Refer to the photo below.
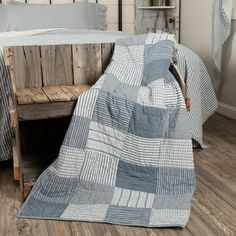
[195,29]
[196,33]
[228,85]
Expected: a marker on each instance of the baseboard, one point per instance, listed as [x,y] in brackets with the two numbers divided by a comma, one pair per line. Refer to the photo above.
[226,110]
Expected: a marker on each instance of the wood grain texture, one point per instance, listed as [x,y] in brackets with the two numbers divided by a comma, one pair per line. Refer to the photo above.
[55,94]
[107,52]
[45,110]
[43,66]
[213,210]
[16,164]
[29,96]
[57,65]
[87,63]
[75,91]
[27,67]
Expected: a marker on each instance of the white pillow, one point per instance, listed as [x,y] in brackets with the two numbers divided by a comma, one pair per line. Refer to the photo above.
[82,15]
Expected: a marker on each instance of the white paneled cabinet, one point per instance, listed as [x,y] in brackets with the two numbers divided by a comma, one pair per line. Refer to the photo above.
[146,16]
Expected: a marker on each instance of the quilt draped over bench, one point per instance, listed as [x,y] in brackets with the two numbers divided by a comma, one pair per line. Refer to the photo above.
[127,155]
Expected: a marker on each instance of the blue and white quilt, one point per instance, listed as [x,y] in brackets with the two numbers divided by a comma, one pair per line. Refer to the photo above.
[127,156]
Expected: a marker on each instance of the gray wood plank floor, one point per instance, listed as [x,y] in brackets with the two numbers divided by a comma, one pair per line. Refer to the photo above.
[214,203]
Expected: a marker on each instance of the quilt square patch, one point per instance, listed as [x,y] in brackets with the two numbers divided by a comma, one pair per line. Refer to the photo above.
[122,215]
[136,177]
[52,188]
[141,151]
[99,168]
[113,111]
[132,198]
[92,194]
[149,122]
[172,201]
[85,212]
[86,103]
[169,217]
[105,139]
[77,134]
[69,162]
[113,86]
[173,180]
[37,208]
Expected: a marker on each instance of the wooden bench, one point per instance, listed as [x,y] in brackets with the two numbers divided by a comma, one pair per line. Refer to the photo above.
[46,82]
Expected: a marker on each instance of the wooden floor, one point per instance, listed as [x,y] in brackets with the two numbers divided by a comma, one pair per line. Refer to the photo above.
[214,203]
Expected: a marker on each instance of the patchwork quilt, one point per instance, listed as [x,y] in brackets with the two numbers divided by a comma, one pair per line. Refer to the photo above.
[127,155]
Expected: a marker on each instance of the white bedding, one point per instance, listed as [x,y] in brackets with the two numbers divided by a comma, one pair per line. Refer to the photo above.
[58,36]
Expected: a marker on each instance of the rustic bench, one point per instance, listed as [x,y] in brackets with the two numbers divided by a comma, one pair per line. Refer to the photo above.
[46,82]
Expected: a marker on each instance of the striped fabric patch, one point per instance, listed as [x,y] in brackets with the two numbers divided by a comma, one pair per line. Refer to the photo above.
[162,93]
[54,189]
[85,212]
[99,168]
[86,103]
[175,180]
[173,201]
[77,134]
[5,130]
[199,89]
[130,56]
[105,140]
[168,217]
[112,111]
[113,86]
[69,163]
[155,38]
[131,198]
[155,52]
[130,216]
[157,152]
[127,75]
[92,194]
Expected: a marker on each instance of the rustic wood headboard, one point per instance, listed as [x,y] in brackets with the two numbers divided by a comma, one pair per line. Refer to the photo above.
[119,2]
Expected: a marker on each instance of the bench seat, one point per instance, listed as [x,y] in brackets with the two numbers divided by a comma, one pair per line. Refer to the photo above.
[47,102]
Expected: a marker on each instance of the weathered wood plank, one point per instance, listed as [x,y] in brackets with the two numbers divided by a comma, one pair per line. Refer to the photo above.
[7,56]
[16,163]
[57,65]
[27,67]
[68,93]
[29,96]
[87,63]
[76,90]
[55,94]
[107,52]
[13,114]
[33,60]
[45,110]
